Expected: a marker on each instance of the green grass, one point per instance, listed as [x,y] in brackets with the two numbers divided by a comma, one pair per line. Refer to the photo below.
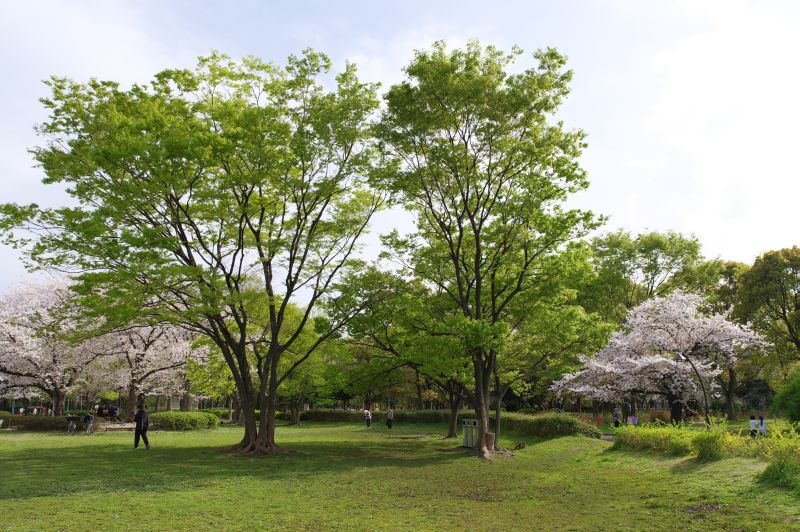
[354,479]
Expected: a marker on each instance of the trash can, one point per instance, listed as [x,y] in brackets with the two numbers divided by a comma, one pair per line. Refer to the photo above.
[470,432]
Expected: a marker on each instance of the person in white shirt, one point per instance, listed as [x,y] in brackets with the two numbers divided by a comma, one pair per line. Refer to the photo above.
[753,426]
[762,426]
[368,417]
[389,417]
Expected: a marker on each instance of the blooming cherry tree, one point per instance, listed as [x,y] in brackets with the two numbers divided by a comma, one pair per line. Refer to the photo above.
[152,359]
[39,349]
[667,346]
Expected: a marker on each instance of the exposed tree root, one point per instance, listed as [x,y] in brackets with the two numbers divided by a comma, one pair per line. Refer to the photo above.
[258,449]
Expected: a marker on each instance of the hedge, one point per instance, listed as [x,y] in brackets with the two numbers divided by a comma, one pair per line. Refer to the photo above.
[542,425]
[545,425]
[176,420]
[221,413]
[37,423]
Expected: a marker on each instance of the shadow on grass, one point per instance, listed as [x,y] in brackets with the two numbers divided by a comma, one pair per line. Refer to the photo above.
[114,466]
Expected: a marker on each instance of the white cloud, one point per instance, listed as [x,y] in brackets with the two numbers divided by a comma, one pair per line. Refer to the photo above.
[728,102]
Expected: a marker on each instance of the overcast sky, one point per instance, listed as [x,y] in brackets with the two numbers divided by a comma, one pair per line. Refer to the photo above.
[691,108]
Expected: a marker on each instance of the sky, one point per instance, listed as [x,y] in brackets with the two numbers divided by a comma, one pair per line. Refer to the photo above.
[691,107]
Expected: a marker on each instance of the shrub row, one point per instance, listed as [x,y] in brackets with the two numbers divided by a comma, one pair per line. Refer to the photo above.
[36,423]
[544,425]
[781,448]
[183,420]
[669,439]
[221,413]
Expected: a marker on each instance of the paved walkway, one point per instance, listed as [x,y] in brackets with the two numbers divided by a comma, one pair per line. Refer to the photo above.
[108,427]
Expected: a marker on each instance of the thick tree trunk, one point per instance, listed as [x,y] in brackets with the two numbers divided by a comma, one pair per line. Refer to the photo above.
[168,403]
[157,406]
[455,405]
[675,409]
[58,399]
[186,402]
[229,405]
[296,407]
[130,404]
[483,447]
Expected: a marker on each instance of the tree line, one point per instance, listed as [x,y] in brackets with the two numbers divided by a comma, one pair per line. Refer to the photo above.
[230,201]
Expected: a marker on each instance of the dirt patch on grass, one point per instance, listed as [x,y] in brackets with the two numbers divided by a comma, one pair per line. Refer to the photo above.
[705,508]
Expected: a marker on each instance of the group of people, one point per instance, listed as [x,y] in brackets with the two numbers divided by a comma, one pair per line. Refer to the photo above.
[113,412]
[758,426]
[43,411]
[389,417]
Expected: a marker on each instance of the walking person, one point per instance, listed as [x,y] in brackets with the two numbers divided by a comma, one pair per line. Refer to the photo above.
[368,417]
[389,417]
[762,426]
[142,424]
[615,416]
[88,419]
[753,426]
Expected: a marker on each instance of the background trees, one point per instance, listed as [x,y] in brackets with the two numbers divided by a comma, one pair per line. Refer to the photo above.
[40,342]
[769,296]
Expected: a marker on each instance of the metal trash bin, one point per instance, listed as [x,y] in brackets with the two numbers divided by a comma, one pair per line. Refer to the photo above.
[470,432]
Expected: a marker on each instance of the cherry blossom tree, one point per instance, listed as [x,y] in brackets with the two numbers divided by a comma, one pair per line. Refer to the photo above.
[41,347]
[152,359]
[668,346]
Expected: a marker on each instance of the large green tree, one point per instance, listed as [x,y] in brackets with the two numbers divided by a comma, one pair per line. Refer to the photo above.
[769,297]
[208,194]
[632,269]
[487,171]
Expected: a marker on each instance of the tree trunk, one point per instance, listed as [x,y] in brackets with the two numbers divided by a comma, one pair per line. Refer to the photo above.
[480,404]
[169,403]
[130,404]
[296,407]
[455,405]
[58,399]
[420,400]
[229,405]
[157,405]
[186,402]
[730,394]
[500,392]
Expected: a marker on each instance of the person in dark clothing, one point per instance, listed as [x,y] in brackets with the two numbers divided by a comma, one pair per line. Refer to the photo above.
[142,424]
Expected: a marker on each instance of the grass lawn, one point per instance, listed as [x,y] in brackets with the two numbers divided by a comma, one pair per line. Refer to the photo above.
[352,478]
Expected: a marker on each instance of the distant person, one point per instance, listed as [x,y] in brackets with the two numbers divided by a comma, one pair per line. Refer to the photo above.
[21,411]
[113,412]
[753,426]
[368,417]
[389,417]
[35,411]
[88,419]
[615,416]
[100,411]
[762,426]
[142,424]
